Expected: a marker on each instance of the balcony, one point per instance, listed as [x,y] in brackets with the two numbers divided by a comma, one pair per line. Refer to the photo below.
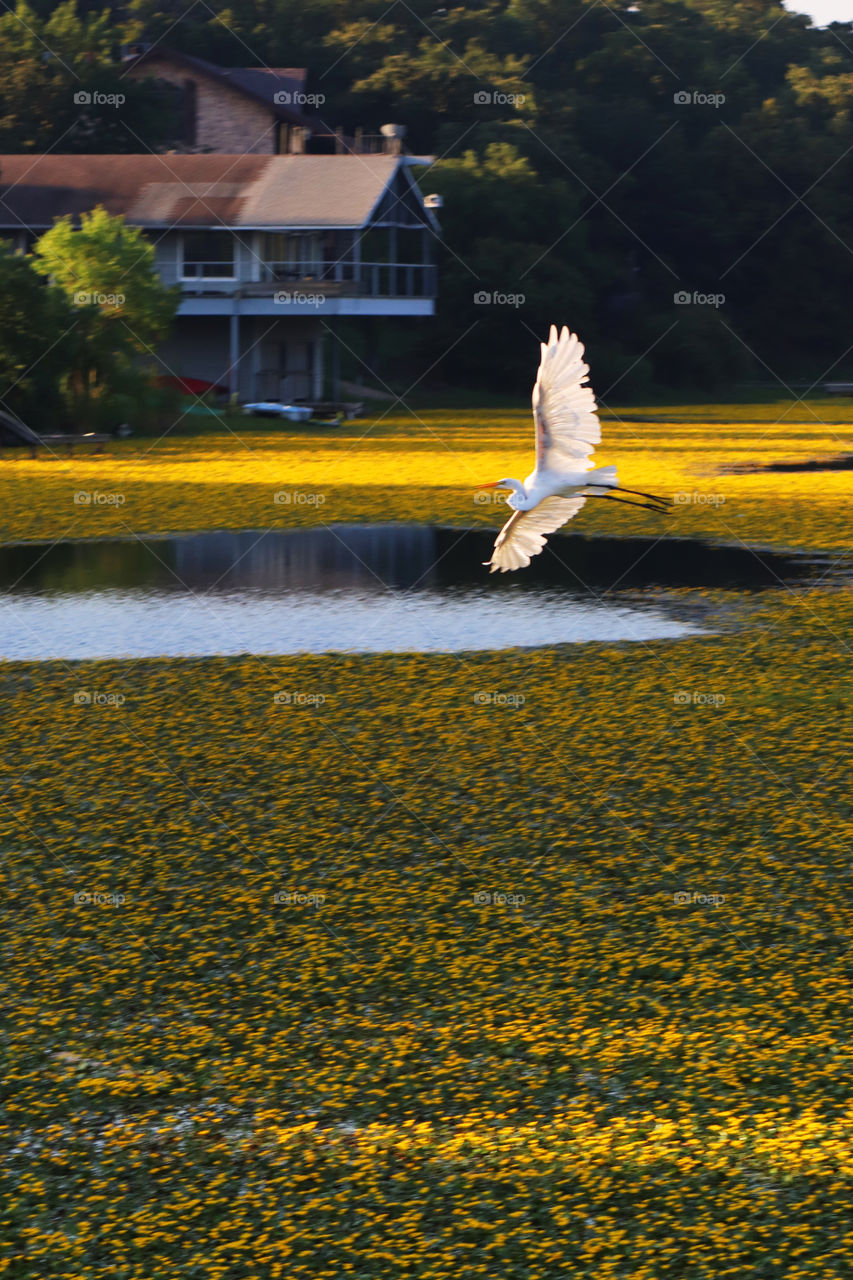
[332,279]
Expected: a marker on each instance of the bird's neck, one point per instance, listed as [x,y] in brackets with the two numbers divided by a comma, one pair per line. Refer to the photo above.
[519,494]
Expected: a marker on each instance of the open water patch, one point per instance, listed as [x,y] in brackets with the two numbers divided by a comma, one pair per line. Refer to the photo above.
[350,588]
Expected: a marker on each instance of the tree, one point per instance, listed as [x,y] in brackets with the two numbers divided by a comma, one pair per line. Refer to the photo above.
[105,271]
[503,279]
[61,87]
[35,324]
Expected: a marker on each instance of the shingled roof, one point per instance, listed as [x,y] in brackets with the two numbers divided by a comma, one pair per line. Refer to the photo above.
[249,191]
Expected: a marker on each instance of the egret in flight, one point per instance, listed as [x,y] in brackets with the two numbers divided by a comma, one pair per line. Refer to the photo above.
[567,430]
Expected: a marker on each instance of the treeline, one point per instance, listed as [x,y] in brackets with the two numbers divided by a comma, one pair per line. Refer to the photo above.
[598,160]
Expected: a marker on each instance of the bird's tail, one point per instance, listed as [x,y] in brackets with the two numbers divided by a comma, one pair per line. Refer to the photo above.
[602,475]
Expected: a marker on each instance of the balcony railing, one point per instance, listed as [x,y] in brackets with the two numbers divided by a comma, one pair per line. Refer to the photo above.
[208,270]
[332,279]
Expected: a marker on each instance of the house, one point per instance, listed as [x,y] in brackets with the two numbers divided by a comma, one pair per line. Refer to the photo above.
[260,110]
[268,249]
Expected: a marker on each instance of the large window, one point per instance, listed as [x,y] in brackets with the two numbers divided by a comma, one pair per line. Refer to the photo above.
[292,255]
[208,255]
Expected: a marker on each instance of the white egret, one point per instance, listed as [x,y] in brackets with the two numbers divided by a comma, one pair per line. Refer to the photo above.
[567,430]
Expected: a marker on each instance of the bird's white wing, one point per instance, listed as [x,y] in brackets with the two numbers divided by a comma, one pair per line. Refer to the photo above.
[523,535]
[564,409]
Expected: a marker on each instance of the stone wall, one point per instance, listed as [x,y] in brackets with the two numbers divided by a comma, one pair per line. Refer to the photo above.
[225,120]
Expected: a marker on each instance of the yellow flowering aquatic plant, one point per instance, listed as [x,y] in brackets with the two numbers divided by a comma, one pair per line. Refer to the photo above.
[426,468]
[402,982]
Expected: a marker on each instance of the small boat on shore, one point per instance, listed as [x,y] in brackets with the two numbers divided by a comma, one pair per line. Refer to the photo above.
[274,409]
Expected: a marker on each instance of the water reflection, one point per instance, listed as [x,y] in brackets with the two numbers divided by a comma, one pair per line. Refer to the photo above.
[353,588]
[410,557]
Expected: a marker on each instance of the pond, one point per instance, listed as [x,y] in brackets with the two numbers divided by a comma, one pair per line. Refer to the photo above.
[351,588]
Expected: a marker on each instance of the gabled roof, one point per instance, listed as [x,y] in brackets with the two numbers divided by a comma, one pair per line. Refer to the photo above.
[263,81]
[259,83]
[159,191]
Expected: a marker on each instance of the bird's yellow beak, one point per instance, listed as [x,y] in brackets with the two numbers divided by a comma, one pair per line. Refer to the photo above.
[490,484]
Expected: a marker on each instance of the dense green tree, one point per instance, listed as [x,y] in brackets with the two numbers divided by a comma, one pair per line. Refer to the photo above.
[105,271]
[35,328]
[62,88]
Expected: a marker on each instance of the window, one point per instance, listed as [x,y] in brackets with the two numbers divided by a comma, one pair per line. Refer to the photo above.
[292,255]
[208,255]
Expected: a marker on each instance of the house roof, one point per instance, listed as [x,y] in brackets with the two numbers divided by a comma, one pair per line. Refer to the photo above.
[248,191]
[259,83]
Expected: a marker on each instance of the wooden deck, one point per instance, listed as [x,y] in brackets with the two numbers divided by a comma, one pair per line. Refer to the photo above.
[13,432]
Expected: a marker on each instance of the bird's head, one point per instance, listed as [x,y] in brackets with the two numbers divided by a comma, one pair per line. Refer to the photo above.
[507,483]
[516,499]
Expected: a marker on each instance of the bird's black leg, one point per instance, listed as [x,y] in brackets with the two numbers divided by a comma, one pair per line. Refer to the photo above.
[653,497]
[644,506]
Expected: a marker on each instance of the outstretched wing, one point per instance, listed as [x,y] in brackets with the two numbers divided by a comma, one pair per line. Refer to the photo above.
[523,535]
[564,409]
